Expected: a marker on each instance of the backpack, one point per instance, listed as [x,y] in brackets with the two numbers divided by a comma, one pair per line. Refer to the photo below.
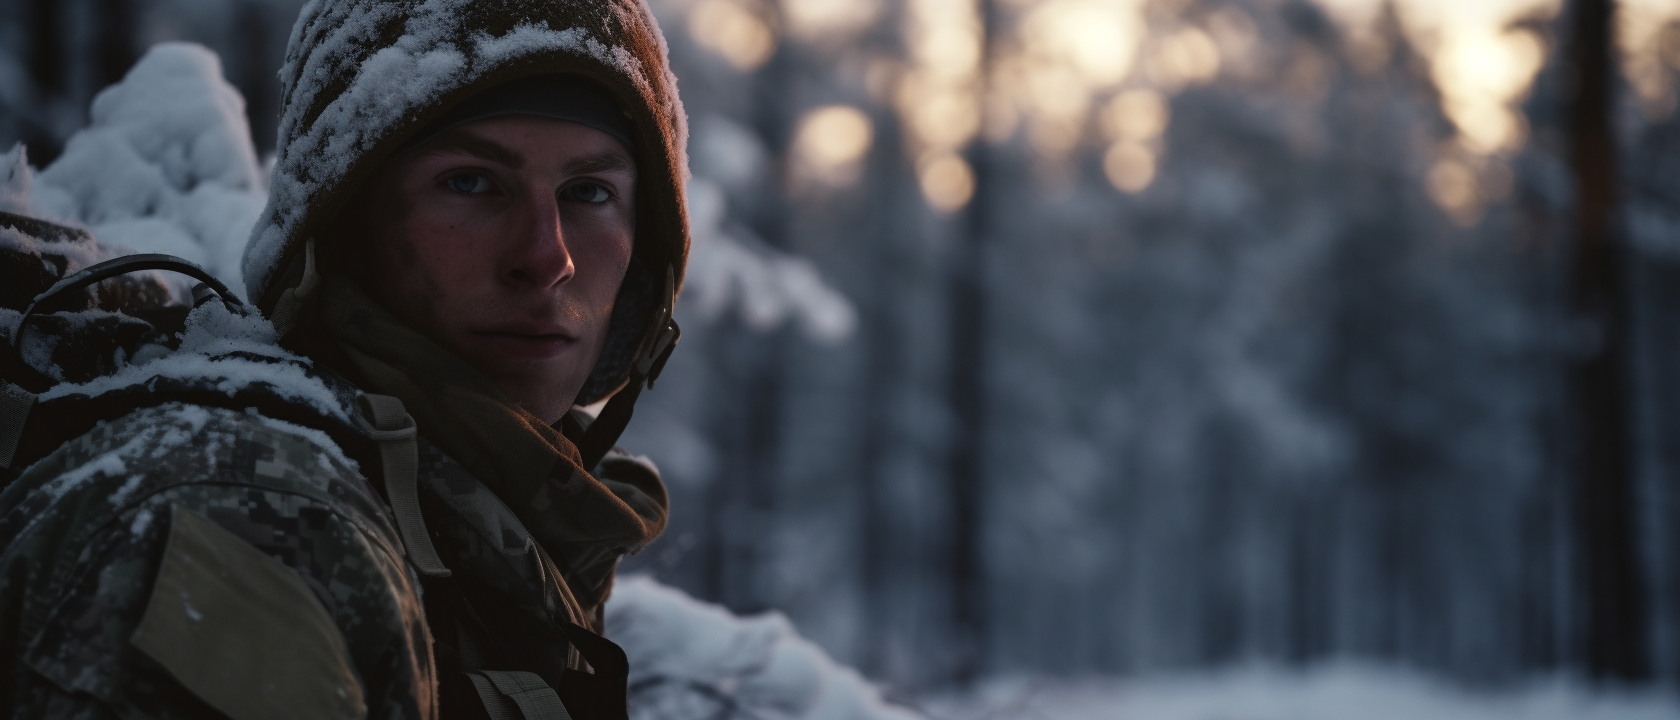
[73,347]
[76,348]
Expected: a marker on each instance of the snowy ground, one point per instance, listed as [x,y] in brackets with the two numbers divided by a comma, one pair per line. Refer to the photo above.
[692,660]
[1341,692]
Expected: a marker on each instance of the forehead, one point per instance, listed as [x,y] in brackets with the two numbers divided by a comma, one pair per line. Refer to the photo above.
[520,141]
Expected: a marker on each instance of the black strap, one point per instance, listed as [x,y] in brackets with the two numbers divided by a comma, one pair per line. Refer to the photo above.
[44,230]
[97,272]
[655,349]
[605,693]
[470,653]
[15,405]
[603,433]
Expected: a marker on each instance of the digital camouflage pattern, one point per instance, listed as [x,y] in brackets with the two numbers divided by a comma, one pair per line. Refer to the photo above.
[84,530]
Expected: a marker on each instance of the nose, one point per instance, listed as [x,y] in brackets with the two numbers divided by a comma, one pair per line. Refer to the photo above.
[539,256]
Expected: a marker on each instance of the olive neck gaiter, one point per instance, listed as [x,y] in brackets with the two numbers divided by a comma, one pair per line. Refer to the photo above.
[530,465]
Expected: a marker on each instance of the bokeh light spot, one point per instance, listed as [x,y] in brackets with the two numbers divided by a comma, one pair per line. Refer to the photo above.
[1139,115]
[831,141]
[733,31]
[1130,166]
[1186,57]
[829,20]
[1454,187]
[947,181]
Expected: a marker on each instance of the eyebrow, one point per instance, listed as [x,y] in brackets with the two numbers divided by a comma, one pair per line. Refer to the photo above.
[465,142]
[607,161]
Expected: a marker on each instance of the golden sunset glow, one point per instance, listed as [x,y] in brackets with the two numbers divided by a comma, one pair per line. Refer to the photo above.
[1065,54]
[947,181]
[939,96]
[1184,57]
[1453,186]
[1075,75]
[827,21]
[1139,115]
[1097,39]
[733,31]
[1483,67]
[1648,32]
[830,143]
[1130,166]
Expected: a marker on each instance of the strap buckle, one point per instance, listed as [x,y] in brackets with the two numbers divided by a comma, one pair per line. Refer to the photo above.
[385,421]
[656,349]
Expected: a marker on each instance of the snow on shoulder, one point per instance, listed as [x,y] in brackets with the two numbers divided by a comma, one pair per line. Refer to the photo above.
[226,351]
[692,659]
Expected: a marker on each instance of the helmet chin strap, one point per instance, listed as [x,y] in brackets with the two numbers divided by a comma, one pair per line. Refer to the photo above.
[655,349]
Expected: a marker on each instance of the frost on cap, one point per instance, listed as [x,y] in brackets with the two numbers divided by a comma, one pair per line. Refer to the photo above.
[363,75]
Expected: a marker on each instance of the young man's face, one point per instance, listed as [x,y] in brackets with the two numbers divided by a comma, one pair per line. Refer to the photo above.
[505,241]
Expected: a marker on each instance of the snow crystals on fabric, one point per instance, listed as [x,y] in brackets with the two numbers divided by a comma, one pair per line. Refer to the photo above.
[17,195]
[9,320]
[109,464]
[524,39]
[216,349]
[328,455]
[126,489]
[142,520]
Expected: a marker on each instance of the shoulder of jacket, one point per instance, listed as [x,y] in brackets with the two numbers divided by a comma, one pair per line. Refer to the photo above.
[213,454]
[198,444]
[243,632]
[250,613]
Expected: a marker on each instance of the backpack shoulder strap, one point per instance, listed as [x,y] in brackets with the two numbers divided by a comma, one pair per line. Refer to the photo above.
[385,421]
[15,404]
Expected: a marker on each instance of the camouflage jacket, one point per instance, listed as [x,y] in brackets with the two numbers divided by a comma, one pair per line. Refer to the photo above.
[192,562]
[98,548]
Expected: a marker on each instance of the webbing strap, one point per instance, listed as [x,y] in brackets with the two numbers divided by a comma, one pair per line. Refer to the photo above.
[535,699]
[650,359]
[504,694]
[598,440]
[15,404]
[384,420]
[496,705]
[121,266]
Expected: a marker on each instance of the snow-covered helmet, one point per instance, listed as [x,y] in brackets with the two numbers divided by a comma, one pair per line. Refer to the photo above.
[363,77]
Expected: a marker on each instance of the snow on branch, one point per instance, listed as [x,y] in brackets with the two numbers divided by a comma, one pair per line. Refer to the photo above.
[728,267]
[167,164]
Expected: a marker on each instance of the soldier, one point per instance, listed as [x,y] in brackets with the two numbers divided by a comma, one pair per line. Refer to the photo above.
[476,223]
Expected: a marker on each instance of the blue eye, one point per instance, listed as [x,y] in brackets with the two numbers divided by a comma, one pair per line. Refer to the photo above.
[467,183]
[588,192]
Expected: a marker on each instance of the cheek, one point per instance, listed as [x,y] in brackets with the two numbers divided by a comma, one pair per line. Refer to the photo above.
[601,265]
[425,270]
[439,250]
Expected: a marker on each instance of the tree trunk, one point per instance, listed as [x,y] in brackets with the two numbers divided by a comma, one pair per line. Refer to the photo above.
[967,398]
[1609,556]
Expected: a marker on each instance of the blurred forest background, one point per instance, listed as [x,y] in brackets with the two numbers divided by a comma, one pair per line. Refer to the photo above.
[1097,336]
